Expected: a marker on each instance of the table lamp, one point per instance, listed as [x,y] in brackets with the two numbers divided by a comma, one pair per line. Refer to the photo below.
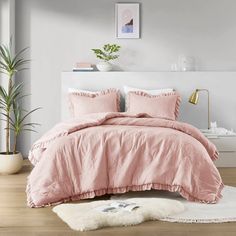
[194,100]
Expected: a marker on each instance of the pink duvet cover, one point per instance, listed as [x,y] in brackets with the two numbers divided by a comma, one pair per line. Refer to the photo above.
[115,153]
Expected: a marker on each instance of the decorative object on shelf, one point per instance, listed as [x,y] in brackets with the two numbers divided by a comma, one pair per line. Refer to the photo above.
[83,66]
[174,67]
[107,53]
[186,63]
[217,131]
[104,66]
[13,115]
[128,20]
[221,131]
[194,100]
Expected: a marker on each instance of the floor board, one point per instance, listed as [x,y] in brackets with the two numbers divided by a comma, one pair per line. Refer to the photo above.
[17,219]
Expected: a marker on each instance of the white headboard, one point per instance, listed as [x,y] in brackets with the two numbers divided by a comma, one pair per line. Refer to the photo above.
[222,86]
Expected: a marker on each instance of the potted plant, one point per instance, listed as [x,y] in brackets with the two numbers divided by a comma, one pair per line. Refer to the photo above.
[11,112]
[107,53]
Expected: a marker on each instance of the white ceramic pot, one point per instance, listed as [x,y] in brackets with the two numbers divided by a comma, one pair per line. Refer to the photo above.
[104,66]
[11,163]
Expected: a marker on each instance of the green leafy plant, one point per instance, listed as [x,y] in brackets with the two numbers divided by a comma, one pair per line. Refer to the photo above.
[107,53]
[13,114]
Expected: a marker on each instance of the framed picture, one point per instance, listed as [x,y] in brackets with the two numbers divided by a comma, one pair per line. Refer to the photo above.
[127,20]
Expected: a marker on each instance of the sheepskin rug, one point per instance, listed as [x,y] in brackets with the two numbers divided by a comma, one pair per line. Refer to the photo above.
[86,216]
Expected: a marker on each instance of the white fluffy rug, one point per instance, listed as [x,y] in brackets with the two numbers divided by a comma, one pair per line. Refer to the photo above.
[155,205]
[224,211]
[86,216]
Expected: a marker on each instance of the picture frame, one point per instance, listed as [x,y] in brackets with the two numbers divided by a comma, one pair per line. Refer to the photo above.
[127,17]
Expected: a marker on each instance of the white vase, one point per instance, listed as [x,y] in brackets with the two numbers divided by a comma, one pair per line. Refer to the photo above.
[104,66]
[10,163]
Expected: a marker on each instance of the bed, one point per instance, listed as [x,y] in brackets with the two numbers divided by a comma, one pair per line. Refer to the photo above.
[113,152]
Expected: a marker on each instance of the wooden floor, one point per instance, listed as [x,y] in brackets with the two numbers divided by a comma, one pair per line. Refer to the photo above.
[17,219]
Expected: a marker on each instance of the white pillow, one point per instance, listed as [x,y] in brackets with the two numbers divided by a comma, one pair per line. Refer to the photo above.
[128,89]
[75,90]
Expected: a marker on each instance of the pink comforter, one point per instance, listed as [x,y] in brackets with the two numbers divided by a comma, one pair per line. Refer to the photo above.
[115,153]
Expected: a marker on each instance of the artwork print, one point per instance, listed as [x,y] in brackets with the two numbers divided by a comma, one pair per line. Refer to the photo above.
[127,20]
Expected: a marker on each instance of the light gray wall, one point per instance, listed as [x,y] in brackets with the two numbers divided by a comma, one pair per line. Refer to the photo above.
[61,33]
[7,29]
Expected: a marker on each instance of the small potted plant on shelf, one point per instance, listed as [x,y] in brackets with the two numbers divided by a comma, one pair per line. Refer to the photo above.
[11,112]
[106,54]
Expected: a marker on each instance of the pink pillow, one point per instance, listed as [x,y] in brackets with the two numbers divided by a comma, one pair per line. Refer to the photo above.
[81,103]
[164,105]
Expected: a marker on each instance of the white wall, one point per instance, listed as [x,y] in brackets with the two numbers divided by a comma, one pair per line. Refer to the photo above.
[61,33]
[7,29]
